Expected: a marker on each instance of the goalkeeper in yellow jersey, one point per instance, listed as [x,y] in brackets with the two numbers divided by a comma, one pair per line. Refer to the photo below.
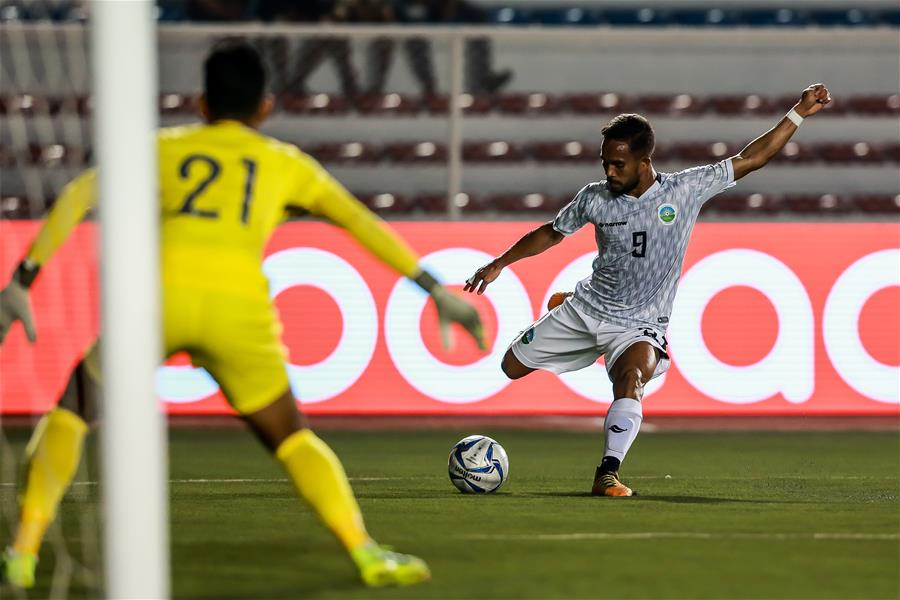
[223,189]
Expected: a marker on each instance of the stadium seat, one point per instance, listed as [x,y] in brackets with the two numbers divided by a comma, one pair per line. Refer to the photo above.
[386,204]
[15,207]
[849,152]
[743,203]
[741,104]
[415,152]
[30,105]
[877,204]
[314,104]
[891,152]
[177,104]
[698,152]
[817,204]
[516,104]
[640,17]
[346,152]
[570,16]
[508,15]
[57,155]
[794,152]
[497,151]
[386,104]
[596,103]
[524,203]
[703,17]
[471,105]
[874,105]
[570,151]
[891,18]
[779,17]
[840,17]
[674,104]
[436,204]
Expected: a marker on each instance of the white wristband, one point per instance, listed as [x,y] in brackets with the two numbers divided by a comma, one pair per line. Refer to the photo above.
[795,117]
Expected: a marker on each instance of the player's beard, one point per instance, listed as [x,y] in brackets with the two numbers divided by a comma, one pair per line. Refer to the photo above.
[623,188]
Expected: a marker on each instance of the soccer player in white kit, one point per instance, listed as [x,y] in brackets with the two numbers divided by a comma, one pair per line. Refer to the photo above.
[643,221]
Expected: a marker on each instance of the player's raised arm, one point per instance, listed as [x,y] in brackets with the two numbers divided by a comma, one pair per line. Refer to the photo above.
[70,208]
[761,150]
[532,243]
[332,201]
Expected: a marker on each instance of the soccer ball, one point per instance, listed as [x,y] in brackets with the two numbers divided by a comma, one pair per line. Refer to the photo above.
[478,465]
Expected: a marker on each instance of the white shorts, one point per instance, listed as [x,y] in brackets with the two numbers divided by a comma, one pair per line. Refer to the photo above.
[566,339]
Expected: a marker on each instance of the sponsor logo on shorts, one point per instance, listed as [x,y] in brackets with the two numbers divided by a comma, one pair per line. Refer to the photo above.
[617,429]
[666,213]
[528,336]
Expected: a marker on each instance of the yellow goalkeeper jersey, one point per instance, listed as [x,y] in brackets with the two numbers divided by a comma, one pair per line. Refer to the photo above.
[224,187]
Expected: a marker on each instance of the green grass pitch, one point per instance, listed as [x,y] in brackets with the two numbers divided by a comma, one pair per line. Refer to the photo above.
[742,515]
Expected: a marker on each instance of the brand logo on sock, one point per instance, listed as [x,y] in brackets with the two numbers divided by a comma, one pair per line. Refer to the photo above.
[617,429]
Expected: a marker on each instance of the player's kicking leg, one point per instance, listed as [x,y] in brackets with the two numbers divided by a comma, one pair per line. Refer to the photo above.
[319,478]
[630,372]
[53,454]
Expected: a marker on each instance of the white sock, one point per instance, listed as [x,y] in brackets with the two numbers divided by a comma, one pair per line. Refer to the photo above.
[623,421]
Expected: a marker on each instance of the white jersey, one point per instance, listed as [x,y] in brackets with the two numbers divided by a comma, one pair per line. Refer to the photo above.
[641,243]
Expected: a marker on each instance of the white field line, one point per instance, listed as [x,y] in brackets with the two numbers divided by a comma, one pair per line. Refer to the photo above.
[195,481]
[687,535]
[410,478]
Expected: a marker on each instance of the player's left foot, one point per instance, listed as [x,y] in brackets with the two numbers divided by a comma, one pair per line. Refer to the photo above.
[17,569]
[606,483]
[379,566]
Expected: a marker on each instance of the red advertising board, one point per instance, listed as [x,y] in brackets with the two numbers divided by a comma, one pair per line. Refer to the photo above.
[770,319]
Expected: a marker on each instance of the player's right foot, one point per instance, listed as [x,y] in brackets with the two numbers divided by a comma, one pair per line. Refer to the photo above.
[17,569]
[379,566]
[606,483]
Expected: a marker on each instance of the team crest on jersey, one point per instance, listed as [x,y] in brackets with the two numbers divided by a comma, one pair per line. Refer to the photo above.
[528,336]
[666,213]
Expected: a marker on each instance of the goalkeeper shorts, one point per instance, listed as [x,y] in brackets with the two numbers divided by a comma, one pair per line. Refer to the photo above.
[236,338]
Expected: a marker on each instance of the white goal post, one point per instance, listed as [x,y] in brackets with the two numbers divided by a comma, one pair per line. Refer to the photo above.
[135,491]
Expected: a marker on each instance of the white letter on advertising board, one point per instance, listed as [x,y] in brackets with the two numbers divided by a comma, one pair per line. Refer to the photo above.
[840,326]
[788,368]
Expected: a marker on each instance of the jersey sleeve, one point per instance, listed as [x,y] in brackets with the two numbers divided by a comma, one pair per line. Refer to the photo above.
[573,216]
[70,208]
[324,196]
[705,182]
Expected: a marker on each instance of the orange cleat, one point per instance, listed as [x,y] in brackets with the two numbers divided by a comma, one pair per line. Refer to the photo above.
[608,484]
[557,299]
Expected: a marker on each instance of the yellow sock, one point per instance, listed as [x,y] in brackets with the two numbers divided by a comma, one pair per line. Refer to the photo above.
[320,479]
[54,452]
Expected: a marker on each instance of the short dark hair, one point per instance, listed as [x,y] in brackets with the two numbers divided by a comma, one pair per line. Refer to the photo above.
[634,129]
[234,80]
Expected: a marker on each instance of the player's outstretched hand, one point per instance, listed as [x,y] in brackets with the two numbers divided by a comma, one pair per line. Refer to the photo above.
[453,309]
[479,281]
[813,99]
[15,305]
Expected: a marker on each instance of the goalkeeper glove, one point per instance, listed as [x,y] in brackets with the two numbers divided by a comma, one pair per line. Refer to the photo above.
[15,303]
[452,309]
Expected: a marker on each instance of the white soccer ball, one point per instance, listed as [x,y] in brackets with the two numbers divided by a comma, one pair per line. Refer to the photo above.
[478,465]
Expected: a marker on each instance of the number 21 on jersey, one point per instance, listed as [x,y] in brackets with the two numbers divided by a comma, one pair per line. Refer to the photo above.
[213,171]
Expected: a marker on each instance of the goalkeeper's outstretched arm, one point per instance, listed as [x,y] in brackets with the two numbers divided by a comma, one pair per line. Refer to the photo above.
[73,203]
[332,201]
